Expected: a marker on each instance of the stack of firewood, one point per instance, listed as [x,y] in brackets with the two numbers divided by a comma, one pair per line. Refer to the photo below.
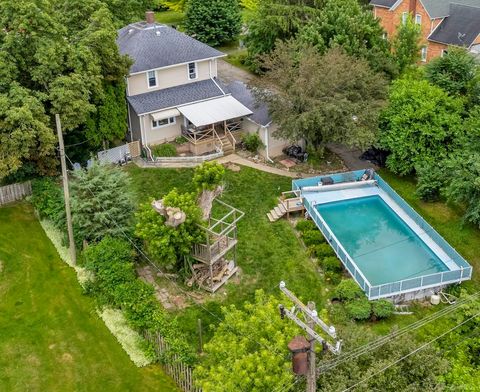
[201,273]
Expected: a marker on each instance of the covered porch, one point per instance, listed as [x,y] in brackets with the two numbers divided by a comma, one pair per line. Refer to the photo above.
[216,121]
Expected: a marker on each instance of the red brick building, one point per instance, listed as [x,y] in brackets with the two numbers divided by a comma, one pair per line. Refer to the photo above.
[443,22]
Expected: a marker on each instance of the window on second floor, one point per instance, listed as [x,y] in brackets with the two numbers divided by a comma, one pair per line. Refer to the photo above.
[152,79]
[192,71]
[163,123]
[404,17]
[418,19]
[424,53]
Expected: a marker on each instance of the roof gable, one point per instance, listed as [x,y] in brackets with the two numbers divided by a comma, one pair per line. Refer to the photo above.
[383,3]
[154,45]
[461,28]
[441,8]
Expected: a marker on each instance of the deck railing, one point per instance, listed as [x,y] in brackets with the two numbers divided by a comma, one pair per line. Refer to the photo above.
[402,286]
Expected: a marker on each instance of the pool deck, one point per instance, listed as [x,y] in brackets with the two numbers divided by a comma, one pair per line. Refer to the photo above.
[352,193]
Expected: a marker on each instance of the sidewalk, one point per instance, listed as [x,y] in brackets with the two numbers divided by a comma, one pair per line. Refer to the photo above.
[238,160]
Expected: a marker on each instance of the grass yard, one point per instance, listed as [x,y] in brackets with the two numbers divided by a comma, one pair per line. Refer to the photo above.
[170,17]
[51,338]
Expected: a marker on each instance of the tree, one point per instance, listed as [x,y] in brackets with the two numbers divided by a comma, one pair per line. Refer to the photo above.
[322,98]
[406,44]
[251,5]
[353,27]
[102,203]
[418,372]
[421,123]
[233,359]
[276,20]
[166,244]
[457,73]
[214,21]
[208,176]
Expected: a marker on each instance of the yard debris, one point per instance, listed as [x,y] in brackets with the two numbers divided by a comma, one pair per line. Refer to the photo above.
[174,216]
[201,273]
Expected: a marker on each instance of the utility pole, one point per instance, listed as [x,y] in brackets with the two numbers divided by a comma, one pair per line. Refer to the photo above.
[311,321]
[66,192]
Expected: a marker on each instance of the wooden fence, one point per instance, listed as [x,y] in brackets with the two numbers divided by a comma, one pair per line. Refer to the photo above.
[15,192]
[182,374]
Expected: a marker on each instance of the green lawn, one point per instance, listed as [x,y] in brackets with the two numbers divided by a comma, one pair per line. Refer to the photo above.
[51,339]
[170,17]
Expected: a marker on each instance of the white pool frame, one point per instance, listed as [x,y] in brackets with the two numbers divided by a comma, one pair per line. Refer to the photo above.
[458,269]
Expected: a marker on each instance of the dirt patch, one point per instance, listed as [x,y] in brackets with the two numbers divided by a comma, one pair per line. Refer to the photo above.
[66,357]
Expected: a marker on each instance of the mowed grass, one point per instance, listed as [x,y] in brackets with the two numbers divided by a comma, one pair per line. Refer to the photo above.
[51,338]
[266,253]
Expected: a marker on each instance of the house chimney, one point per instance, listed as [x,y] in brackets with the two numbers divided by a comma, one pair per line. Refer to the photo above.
[150,17]
[413,7]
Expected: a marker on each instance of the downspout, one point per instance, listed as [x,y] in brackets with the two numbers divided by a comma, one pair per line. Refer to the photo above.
[266,143]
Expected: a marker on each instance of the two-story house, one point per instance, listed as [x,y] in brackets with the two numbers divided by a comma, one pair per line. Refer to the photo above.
[173,90]
[443,23]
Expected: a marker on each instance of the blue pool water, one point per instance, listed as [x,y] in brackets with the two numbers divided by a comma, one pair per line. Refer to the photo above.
[382,245]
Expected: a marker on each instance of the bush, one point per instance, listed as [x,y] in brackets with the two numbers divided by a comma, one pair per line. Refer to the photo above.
[164,150]
[382,308]
[333,278]
[47,199]
[348,290]
[331,264]
[252,142]
[208,175]
[321,250]
[181,140]
[305,225]
[359,309]
[312,237]
[432,179]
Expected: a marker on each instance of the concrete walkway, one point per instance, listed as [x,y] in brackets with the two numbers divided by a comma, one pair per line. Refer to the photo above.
[351,157]
[238,160]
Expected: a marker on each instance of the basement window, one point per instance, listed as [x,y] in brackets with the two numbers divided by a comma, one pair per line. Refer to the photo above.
[424,54]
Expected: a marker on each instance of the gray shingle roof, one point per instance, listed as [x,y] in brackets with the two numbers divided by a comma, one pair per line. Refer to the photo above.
[383,3]
[461,28]
[242,93]
[154,46]
[441,8]
[174,96]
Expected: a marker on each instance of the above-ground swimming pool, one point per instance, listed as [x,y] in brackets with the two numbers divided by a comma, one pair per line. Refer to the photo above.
[385,245]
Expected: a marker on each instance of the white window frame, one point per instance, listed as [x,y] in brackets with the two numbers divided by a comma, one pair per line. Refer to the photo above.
[424,53]
[196,70]
[404,17]
[444,52]
[148,79]
[418,19]
[170,121]
[384,35]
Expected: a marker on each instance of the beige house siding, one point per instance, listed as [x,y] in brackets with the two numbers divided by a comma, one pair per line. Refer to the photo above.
[152,136]
[275,145]
[171,77]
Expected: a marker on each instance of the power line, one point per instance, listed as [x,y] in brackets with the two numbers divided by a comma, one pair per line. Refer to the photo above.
[142,253]
[411,353]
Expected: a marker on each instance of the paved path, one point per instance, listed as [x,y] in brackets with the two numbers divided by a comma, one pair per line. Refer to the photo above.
[228,73]
[238,160]
[351,157]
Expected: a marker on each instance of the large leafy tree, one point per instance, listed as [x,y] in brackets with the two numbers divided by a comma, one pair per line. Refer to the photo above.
[213,21]
[235,361]
[421,123]
[62,54]
[347,24]
[323,98]
[457,73]
[102,203]
[406,44]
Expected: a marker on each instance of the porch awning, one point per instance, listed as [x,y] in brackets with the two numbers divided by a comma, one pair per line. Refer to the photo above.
[165,114]
[214,111]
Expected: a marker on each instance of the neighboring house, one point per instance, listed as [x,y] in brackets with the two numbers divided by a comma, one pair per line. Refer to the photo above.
[443,23]
[172,90]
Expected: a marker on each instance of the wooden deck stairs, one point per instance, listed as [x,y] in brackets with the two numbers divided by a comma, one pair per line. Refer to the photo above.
[277,212]
[227,146]
[289,202]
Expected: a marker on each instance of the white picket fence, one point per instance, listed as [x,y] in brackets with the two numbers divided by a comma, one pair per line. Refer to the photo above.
[15,192]
[181,373]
